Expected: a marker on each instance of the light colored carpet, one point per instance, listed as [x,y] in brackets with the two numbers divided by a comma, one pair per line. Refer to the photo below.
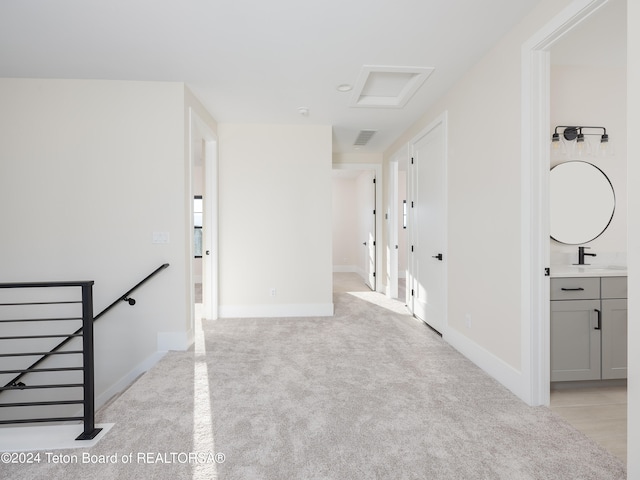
[367,394]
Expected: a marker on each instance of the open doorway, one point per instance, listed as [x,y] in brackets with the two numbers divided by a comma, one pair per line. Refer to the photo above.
[537,125]
[577,82]
[356,229]
[203,227]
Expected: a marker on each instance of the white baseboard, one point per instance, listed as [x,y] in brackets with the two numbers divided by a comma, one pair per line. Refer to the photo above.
[174,341]
[345,269]
[282,310]
[167,341]
[127,379]
[487,361]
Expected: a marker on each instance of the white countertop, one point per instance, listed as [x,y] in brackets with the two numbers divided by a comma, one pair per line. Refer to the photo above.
[588,271]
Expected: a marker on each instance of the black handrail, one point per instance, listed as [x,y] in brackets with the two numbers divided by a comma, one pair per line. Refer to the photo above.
[15,382]
[125,297]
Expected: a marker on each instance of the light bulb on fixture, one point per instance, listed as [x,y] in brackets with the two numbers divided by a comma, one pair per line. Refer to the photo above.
[582,146]
[605,148]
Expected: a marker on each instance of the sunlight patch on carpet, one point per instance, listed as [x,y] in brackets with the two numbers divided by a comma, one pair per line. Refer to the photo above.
[202,415]
[382,301]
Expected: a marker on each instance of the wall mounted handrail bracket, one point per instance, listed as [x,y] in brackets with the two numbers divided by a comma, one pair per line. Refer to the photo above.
[125,296]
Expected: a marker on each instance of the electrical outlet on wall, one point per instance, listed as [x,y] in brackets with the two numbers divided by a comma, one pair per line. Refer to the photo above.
[467,320]
[272,292]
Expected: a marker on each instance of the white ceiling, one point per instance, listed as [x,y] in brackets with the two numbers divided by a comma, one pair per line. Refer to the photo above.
[254,61]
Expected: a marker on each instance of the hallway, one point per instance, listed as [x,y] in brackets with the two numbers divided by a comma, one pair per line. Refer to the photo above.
[370,393]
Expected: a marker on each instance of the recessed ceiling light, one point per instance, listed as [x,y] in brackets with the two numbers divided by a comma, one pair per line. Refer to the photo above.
[344,87]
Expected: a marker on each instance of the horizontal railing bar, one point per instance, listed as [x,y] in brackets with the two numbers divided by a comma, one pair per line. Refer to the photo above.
[79,283]
[39,420]
[36,370]
[24,337]
[38,303]
[42,404]
[33,354]
[36,387]
[61,319]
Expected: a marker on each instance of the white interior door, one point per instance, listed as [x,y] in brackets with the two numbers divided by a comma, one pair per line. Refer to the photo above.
[392,229]
[428,227]
[369,216]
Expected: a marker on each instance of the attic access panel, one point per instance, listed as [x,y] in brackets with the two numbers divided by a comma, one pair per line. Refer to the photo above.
[387,87]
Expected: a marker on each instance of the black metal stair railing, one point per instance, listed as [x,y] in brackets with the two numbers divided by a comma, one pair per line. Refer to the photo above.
[87,385]
[22,313]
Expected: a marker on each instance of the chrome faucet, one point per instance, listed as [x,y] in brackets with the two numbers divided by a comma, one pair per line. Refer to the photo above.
[582,254]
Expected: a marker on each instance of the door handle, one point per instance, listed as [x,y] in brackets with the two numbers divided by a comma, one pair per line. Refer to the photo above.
[599,326]
[438,256]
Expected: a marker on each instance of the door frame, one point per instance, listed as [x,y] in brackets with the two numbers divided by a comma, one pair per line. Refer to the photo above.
[535,164]
[393,220]
[200,131]
[442,120]
[392,226]
[377,168]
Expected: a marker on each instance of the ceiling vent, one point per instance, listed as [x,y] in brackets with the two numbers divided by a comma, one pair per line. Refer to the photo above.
[363,137]
[387,87]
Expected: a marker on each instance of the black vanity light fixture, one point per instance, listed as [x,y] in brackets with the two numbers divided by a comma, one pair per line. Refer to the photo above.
[577,133]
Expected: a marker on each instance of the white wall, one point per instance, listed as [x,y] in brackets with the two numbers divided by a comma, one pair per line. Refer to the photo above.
[356,157]
[345,217]
[275,220]
[484,200]
[90,169]
[633,179]
[595,96]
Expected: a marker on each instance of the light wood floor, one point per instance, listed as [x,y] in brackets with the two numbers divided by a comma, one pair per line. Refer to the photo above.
[598,412]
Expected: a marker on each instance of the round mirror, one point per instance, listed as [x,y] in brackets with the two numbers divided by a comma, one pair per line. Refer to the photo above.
[582,202]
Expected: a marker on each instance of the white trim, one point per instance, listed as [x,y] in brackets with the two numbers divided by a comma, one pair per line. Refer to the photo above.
[377,168]
[281,310]
[198,129]
[487,361]
[419,75]
[167,341]
[128,379]
[535,338]
[392,223]
[348,269]
[50,437]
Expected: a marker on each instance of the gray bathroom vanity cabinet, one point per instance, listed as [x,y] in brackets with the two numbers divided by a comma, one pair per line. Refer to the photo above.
[588,328]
